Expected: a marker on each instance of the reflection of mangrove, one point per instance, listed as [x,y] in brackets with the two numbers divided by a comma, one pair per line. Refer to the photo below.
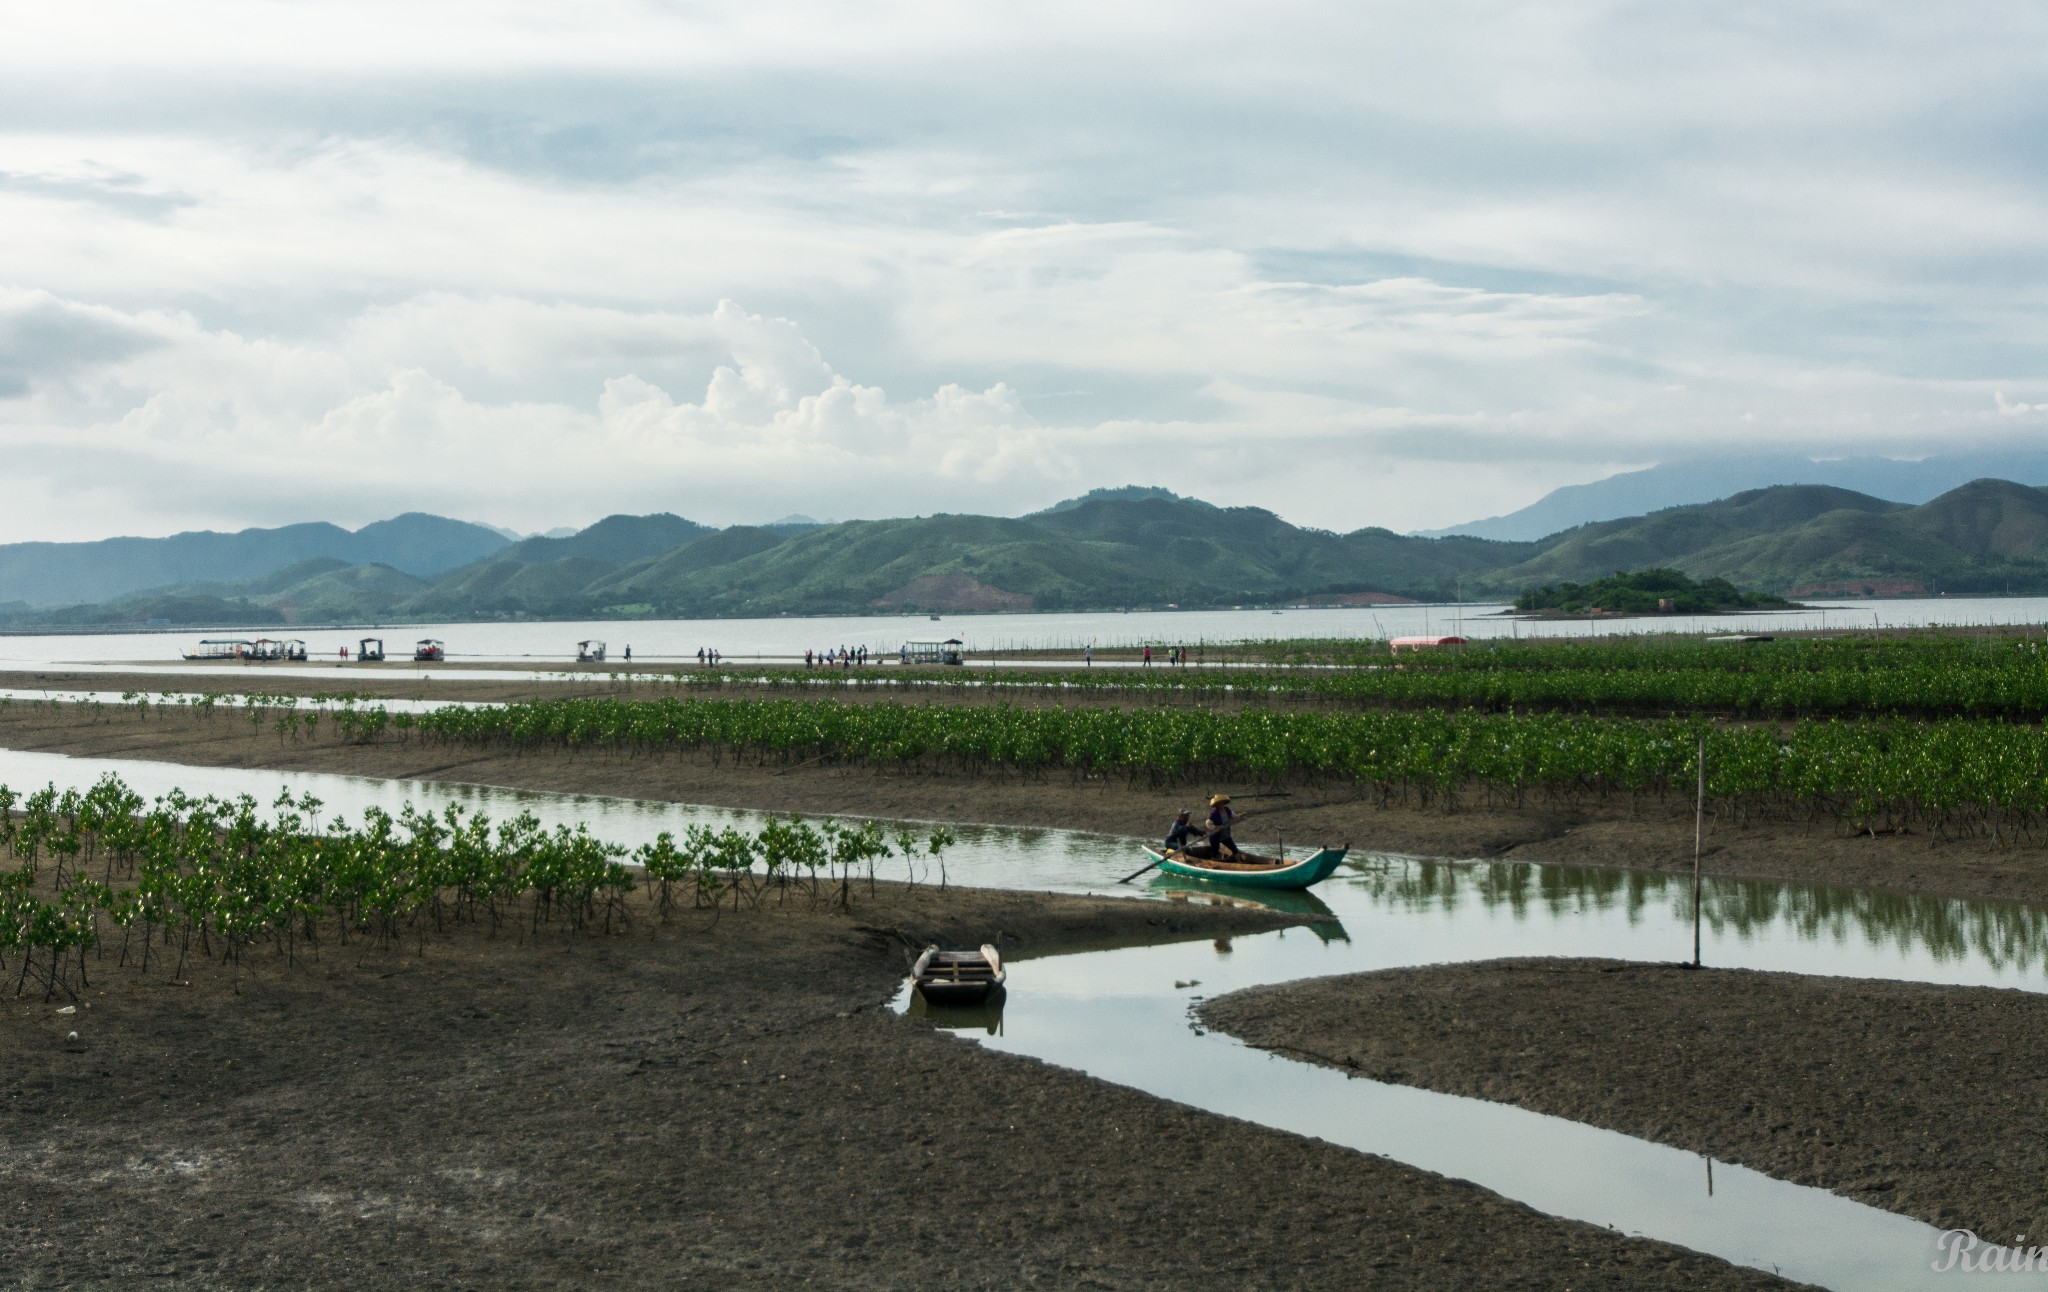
[986,1017]
[2004,934]
[1289,901]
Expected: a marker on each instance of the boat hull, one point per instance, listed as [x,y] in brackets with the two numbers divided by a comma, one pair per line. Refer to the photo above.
[1310,870]
[959,977]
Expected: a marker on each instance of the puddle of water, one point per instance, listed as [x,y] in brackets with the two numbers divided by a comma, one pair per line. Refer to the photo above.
[1123,1015]
[228,702]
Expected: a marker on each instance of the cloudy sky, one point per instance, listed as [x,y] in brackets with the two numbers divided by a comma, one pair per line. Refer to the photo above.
[1403,264]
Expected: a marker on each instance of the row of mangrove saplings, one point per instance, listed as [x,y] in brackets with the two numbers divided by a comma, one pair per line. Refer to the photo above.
[1961,774]
[1947,675]
[100,872]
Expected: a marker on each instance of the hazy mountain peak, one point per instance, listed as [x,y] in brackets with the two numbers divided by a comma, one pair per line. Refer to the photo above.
[1702,480]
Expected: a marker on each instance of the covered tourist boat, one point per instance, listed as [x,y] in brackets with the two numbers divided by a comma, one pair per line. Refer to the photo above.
[958,977]
[222,648]
[590,652]
[428,650]
[1250,870]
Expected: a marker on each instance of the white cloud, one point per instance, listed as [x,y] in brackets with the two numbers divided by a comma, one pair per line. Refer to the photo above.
[1397,263]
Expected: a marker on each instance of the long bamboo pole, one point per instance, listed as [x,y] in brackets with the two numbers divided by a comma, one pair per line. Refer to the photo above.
[1699,833]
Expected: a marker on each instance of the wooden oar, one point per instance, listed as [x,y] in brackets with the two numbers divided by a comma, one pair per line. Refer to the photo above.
[1134,874]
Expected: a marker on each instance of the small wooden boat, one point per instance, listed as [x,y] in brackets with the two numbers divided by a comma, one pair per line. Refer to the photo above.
[1253,871]
[960,977]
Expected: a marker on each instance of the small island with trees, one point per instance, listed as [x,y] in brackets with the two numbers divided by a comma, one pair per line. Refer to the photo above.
[1646,592]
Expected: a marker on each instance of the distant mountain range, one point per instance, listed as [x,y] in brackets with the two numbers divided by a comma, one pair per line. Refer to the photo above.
[1681,483]
[62,573]
[1128,549]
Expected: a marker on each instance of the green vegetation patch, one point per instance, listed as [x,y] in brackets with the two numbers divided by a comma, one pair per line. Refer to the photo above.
[1647,592]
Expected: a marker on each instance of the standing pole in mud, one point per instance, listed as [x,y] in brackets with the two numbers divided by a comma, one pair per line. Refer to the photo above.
[1699,831]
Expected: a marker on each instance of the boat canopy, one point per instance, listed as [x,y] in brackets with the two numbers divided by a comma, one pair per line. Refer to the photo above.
[945,652]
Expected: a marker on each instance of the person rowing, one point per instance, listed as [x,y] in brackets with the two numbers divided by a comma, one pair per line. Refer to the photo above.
[1216,842]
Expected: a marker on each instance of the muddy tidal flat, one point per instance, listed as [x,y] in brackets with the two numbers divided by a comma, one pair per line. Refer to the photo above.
[695,1103]
[1921,1099]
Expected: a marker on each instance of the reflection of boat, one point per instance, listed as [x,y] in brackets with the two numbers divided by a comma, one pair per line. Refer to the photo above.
[1253,871]
[960,977]
[1289,901]
[987,1016]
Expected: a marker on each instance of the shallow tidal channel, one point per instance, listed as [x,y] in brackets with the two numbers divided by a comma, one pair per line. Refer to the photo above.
[1125,1015]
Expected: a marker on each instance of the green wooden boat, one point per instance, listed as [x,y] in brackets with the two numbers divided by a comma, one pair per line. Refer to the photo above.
[1250,871]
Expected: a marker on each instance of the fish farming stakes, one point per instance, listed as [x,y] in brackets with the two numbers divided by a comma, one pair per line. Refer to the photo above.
[99,875]
[1952,774]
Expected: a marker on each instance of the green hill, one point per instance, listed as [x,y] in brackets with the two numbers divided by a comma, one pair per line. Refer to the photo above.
[1111,552]
[1814,540]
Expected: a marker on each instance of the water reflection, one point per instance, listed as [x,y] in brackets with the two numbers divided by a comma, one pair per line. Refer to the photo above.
[1405,909]
[2001,935]
[1299,902]
[986,1017]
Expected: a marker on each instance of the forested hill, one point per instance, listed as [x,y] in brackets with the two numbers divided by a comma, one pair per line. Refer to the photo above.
[1122,548]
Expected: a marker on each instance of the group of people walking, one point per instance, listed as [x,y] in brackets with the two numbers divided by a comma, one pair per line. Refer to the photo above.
[1176,656]
[844,657]
[705,655]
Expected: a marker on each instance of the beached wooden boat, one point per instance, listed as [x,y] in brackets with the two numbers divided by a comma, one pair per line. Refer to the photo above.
[1251,871]
[958,977]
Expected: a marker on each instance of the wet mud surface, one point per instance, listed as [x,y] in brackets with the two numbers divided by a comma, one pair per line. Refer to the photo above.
[1925,1100]
[696,1104]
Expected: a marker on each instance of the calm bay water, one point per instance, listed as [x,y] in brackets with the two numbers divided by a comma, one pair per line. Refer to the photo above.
[673,640]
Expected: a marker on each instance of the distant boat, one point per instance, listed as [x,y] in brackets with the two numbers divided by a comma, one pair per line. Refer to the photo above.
[1253,871]
[959,977]
[222,648]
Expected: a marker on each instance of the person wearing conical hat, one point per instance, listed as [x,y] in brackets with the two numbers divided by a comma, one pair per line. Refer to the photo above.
[1218,827]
